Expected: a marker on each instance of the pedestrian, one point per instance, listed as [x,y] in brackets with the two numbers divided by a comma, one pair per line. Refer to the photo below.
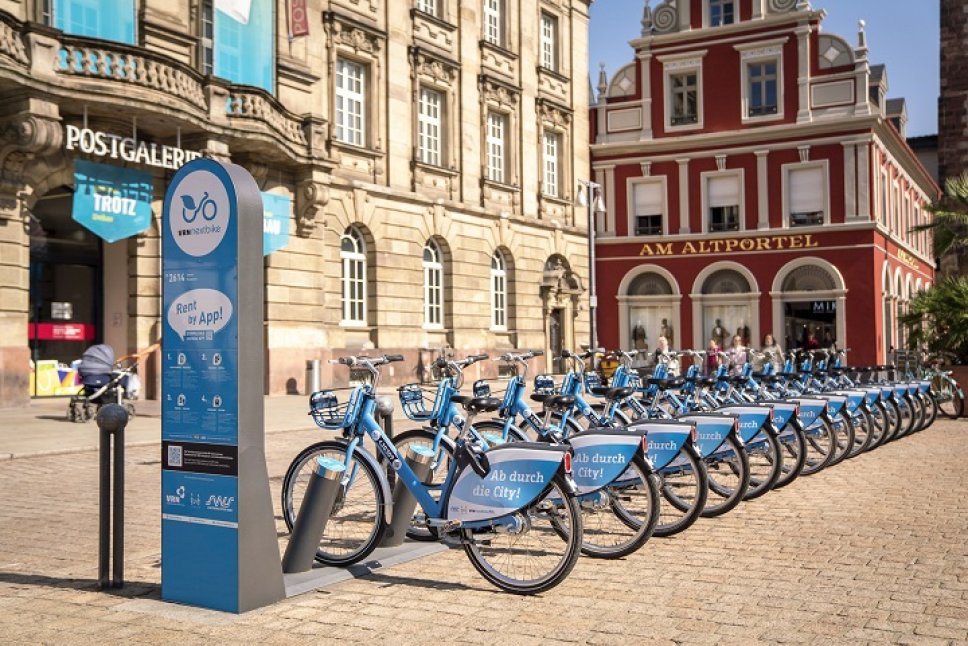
[775,353]
[712,357]
[737,355]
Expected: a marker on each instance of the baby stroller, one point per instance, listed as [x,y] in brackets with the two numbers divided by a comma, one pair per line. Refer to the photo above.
[104,382]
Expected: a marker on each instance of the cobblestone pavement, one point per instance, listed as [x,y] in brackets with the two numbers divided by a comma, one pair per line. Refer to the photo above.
[871,550]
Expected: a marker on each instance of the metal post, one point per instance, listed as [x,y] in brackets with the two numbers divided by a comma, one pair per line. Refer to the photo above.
[316,507]
[111,420]
[419,458]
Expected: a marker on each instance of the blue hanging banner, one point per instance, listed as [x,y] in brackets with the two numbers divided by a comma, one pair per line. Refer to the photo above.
[244,51]
[113,203]
[104,19]
[275,222]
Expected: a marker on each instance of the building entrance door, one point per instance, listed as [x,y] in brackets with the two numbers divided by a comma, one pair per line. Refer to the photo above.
[810,325]
[556,339]
[65,292]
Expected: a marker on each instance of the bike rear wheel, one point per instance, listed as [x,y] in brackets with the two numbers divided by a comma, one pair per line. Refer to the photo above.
[794,446]
[684,485]
[863,433]
[539,552]
[620,518]
[821,443]
[844,435]
[728,470]
[357,521]
[950,403]
[766,463]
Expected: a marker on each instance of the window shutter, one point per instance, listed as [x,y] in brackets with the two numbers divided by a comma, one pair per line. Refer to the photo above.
[723,190]
[806,190]
[649,198]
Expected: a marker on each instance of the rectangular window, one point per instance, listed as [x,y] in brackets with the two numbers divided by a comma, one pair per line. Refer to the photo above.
[350,102]
[207,43]
[883,209]
[549,42]
[723,197]
[104,19]
[551,154]
[47,12]
[685,101]
[243,42]
[762,88]
[806,190]
[494,22]
[721,12]
[896,209]
[429,7]
[648,201]
[429,126]
[496,148]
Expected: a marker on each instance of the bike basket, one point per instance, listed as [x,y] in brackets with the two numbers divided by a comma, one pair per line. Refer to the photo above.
[482,388]
[326,410]
[544,384]
[414,400]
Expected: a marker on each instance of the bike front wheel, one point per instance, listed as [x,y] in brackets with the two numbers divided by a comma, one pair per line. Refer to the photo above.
[766,464]
[729,477]
[821,446]
[535,552]
[950,403]
[357,521]
[793,443]
[684,485]
[620,518]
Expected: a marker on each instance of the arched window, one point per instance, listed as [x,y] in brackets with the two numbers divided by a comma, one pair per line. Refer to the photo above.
[352,253]
[433,268]
[499,292]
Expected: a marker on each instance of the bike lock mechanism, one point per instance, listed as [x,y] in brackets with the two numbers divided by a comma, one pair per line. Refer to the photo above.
[315,510]
[111,420]
[419,459]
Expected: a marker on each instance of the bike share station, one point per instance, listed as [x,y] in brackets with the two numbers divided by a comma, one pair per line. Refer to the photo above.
[219,545]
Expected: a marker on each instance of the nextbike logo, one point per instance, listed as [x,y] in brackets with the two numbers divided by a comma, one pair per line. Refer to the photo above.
[177,497]
[198,214]
[220,503]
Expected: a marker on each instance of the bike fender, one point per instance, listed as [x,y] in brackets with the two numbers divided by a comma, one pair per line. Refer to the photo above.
[752,419]
[666,438]
[520,473]
[601,457]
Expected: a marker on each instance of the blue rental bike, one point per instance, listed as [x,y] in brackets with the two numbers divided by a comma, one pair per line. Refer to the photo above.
[512,507]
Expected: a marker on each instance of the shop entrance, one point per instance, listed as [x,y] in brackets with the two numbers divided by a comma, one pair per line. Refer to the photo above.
[66,294]
[810,325]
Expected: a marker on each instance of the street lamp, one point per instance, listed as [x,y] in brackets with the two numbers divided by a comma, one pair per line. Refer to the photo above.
[590,193]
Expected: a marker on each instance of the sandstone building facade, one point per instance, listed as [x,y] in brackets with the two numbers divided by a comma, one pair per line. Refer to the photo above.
[425,154]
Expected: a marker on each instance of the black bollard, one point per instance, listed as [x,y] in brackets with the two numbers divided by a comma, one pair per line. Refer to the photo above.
[111,420]
[316,507]
[420,459]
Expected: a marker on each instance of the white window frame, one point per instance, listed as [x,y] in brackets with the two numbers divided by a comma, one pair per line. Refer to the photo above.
[347,96]
[429,7]
[496,141]
[884,199]
[353,260]
[630,194]
[551,144]
[494,27]
[499,292]
[707,14]
[430,126]
[676,65]
[433,311]
[704,180]
[206,44]
[756,54]
[549,41]
[786,169]
[895,224]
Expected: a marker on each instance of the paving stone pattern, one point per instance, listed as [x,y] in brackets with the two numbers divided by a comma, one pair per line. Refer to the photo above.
[873,550]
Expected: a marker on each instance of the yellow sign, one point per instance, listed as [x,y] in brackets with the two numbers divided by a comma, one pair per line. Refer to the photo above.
[907,259]
[727,245]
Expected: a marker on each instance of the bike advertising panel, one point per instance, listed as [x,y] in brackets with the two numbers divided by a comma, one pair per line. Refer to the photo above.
[212,335]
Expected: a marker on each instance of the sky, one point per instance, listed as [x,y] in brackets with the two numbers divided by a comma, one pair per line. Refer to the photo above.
[903,35]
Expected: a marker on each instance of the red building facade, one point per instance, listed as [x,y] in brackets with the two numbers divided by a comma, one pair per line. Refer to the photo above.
[757,180]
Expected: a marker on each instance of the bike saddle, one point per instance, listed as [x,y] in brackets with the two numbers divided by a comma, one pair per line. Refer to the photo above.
[736,379]
[788,375]
[559,403]
[707,381]
[656,381]
[618,393]
[477,404]
[601,391]
[540,397]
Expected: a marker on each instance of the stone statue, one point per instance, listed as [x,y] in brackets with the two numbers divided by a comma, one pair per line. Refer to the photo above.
[667,331]
[640,339]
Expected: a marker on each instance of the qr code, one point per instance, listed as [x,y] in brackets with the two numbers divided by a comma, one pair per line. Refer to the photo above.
[174,456]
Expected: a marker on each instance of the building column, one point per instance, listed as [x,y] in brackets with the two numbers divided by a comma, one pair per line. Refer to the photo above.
[762,190]
[645,82]
[864,211]
[757,9]
[850,182]
[683,195]
[685,20]
[804,114]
